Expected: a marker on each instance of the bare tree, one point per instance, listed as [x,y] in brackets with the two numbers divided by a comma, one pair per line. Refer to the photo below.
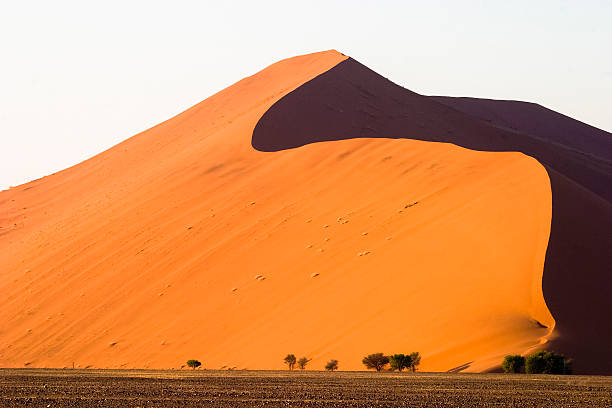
[302,363]
[331,365]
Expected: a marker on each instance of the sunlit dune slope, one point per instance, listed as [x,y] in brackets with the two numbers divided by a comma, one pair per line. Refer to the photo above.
[186,242]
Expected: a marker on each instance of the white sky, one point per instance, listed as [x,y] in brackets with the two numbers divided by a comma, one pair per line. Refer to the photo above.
[77,77]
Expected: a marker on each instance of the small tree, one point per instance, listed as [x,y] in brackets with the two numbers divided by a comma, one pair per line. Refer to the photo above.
[376,361]
[399,362]
[513,364]
[193,364]
[302,363]
[290,360]
[331,365]
[415,360]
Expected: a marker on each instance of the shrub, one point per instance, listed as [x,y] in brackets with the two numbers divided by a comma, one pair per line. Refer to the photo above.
[415,360]
[193,364]
[535,363]
[302,363]
[399,362]
[557,364]
[513,364]
[290,360]
[547,362]
[331,365]
[376,361]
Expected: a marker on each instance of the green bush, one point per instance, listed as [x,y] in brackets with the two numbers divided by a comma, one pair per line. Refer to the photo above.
[513,364]
[376,361]
[399,362]
[547,362]
[535,363]
[193,364]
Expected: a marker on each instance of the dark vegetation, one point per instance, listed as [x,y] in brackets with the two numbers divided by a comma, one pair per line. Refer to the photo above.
[376,361]
[539,362]
[332,365]
[513,364]
[302,363]
[415,360]
[193,364]
[290,360]
[399,362]
[547,362]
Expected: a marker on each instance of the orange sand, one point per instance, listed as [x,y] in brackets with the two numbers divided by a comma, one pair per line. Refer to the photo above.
[130,259]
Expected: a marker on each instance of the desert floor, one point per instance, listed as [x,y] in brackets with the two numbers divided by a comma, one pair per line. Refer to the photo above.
[185,388]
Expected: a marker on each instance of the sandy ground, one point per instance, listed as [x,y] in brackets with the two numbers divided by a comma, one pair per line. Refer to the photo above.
[114,388]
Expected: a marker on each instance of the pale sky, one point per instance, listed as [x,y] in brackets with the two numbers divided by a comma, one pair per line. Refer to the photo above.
[77,77]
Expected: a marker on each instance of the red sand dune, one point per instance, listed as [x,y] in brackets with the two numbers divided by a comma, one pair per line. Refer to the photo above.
[185,241]
[577,273]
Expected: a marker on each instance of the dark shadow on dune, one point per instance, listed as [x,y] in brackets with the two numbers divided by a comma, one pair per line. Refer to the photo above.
[460,368]
[351,101]
[537,121]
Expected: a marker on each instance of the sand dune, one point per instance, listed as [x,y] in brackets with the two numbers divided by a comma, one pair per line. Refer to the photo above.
[577,271]
[577,157]
[225,234]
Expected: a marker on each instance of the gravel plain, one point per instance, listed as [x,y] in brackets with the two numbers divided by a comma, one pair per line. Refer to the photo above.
[203,388]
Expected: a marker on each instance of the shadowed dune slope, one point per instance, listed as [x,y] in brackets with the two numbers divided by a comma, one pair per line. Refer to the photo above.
[351,101]
[537,121]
